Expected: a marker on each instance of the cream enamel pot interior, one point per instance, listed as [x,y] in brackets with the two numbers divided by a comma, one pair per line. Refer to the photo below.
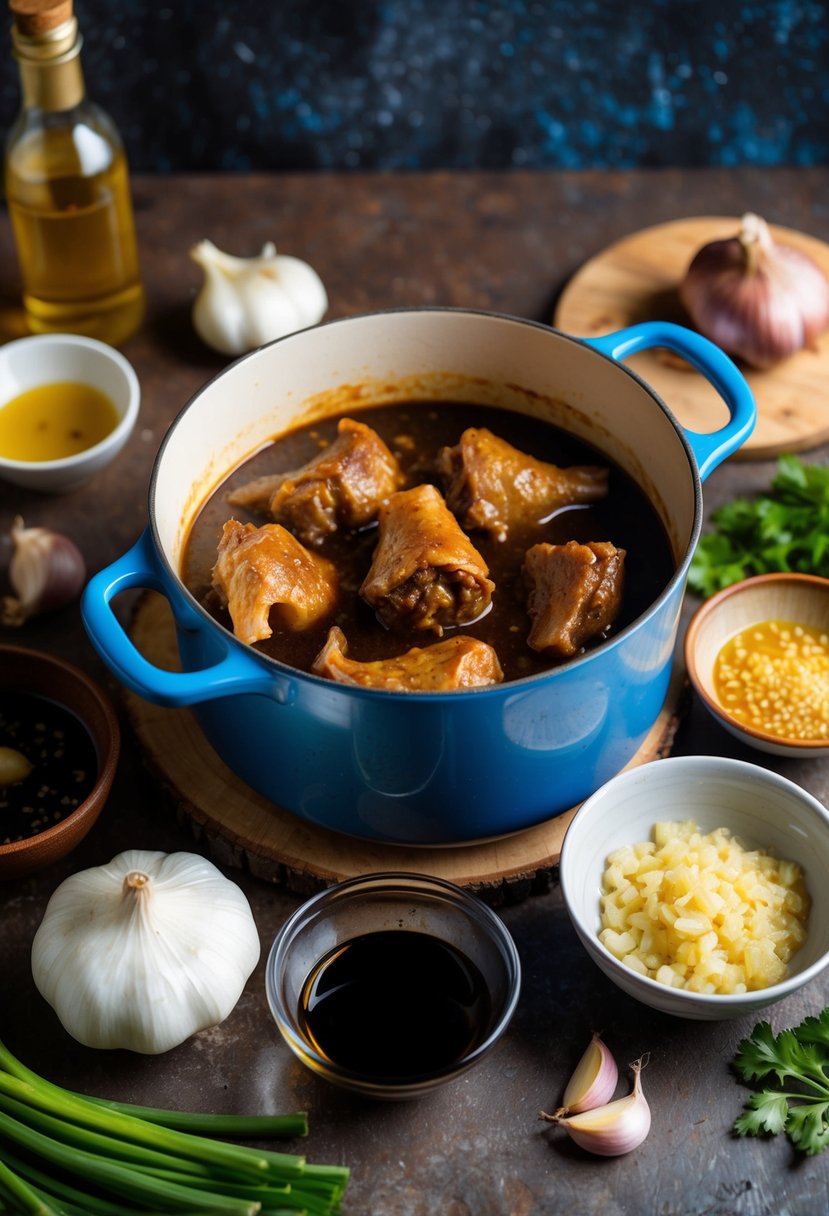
[423,768]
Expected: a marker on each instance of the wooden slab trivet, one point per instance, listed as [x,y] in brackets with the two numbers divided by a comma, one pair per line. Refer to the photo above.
[241,828]
[636,279]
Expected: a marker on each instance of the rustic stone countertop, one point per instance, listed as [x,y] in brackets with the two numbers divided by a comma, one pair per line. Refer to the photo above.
[506,242]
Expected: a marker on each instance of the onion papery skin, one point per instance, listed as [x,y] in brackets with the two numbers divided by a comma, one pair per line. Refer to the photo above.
[760,300]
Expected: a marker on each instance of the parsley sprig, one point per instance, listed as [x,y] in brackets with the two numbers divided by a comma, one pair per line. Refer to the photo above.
[785,529]
[796,1061]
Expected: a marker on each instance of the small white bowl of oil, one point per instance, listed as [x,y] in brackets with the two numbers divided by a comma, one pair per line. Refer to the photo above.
[68,404]
[757,654]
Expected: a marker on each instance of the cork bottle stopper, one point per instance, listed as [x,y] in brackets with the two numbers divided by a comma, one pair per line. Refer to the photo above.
[35,17]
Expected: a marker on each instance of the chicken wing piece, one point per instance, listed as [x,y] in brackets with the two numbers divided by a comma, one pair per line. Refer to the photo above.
[261,568]
[574,591]
[425,573]
[343,487]
[456,662]
[491,485]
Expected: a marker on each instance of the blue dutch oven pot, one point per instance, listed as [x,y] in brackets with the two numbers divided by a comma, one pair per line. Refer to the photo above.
[424,768]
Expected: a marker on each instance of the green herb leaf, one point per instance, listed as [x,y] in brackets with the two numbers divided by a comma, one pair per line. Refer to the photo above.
[807,1125]
[816,1030]
[799,1059]
[785,529]
[758,1056]
[765,1111]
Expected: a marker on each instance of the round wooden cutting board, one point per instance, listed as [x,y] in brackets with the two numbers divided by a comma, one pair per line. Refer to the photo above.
[241,828]
[636,279]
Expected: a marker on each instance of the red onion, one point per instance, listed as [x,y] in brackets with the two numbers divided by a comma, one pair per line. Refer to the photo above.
[759,299]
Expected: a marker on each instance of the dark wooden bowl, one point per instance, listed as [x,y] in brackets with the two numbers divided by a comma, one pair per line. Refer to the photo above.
[35,672]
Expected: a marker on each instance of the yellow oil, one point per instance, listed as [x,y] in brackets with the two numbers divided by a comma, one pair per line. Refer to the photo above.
[55,420]
[773,677]
[74,233]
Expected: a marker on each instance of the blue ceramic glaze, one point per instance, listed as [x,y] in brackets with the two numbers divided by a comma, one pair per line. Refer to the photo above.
[428,768]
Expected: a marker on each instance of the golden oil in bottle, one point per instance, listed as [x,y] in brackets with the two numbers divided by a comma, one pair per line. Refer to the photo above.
[67,188]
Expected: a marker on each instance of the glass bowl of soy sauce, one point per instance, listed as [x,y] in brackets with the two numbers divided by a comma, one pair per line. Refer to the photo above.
[392,984]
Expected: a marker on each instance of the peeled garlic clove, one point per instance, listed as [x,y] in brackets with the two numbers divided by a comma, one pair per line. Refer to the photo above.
[614,1129]
[14,766]
[47,571]
[594,1080]
[246,302]
[757,298]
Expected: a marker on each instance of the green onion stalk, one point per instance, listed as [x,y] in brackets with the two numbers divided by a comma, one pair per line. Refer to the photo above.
[65,1154]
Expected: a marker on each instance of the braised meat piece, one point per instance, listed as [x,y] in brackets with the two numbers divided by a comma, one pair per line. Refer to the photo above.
[456,662]
[343,487]
[491,485]
[574,593]
[262,568]
[425,573]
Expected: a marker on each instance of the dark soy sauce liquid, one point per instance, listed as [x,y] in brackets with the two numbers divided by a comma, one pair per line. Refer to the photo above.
[394,1005]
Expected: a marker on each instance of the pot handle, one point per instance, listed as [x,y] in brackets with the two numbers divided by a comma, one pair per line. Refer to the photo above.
[235,670]
[712,448]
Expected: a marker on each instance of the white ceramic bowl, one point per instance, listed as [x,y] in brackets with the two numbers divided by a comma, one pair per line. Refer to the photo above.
[761,808]
[51,358]
[802,598]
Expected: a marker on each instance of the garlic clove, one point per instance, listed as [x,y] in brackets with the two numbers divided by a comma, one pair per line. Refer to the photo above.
[14,766]
[219,315]
[613,1129]
[759,299]
[246,302]
[47,571]
[594,1080]
[269,310]
[305,287]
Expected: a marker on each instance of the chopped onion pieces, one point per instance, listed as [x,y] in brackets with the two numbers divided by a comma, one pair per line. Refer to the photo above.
[700,912]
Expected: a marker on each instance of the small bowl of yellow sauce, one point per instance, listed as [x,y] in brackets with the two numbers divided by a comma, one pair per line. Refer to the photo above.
[68,404]
[757,654]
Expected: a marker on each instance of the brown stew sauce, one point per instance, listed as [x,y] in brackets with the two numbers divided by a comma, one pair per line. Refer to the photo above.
[415,432]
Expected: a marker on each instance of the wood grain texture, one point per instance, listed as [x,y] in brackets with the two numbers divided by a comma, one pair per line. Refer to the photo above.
[241,828]
[636,278]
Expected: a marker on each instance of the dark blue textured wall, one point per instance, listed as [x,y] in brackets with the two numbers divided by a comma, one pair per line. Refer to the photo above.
[421,84]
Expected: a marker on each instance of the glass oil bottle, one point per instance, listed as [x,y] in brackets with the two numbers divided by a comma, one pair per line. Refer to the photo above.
[67,188]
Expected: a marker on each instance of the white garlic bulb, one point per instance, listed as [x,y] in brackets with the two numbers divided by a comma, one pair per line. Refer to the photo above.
[143,952]
[245,302]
